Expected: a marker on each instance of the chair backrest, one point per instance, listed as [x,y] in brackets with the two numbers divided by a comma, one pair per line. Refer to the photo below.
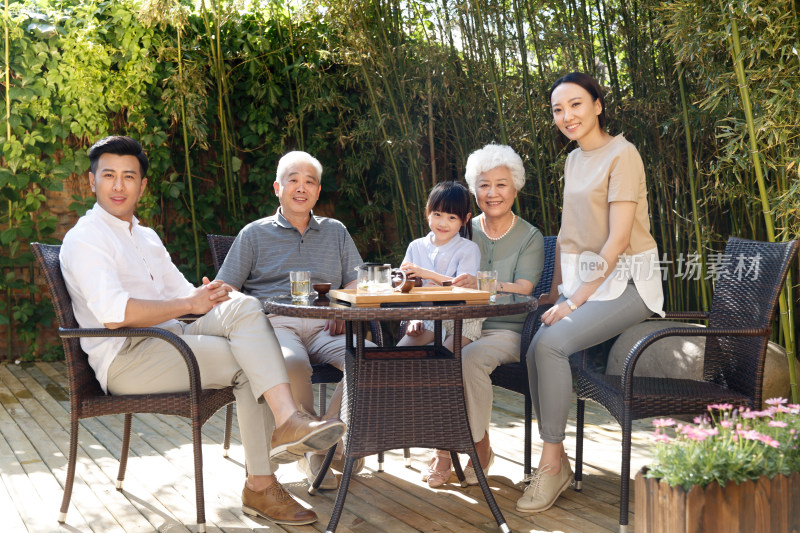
[80,373]
[751,275]
[543,287]
[219,245]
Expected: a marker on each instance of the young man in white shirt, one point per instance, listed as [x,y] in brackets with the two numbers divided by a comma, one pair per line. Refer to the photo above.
[119,274]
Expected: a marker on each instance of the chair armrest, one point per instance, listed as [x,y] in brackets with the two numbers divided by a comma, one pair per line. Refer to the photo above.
[529,329]
[179,344]
[638,348]
[686,315]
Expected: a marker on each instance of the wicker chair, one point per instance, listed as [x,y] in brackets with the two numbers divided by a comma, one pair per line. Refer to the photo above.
[87,399]
[322,373]
[514,376]
[739,326]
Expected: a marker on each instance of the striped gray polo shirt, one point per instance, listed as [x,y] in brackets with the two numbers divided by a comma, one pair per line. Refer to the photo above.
[266,250]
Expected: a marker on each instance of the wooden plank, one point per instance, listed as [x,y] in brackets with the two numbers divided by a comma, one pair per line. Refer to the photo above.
[171,482]
[417,295]
[12,521]
[762,499]
[224,519]
[51,439]
[433,518]
[451,498]
[793,501]
[160,474]
[98,468]
[18,485]
[45,442]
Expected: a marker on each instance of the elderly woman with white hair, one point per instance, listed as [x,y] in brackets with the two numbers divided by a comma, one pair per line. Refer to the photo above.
[515,249]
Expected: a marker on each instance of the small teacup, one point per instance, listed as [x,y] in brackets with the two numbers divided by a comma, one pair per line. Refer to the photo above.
[407,285]
[322,289]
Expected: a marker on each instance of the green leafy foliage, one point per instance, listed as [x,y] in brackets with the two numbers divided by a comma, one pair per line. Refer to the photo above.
[391,97]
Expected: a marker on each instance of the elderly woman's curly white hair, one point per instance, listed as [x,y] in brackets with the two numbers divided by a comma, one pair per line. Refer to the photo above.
[492,156]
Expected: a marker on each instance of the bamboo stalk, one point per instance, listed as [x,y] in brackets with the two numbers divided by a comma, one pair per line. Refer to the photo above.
[431,144]
[404,120]
[736,50]
[492,76]
[692,188]
[388,149]
[223,110]
[8,80]
[531,115]
[10,327]
[188,162]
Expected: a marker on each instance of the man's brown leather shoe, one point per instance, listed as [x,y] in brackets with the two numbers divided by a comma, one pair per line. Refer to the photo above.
[302,433]
[276,504]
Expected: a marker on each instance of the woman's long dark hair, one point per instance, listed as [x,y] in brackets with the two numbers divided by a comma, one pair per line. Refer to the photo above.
[452,197]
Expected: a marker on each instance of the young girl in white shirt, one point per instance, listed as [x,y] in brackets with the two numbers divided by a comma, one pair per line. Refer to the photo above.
[443,254]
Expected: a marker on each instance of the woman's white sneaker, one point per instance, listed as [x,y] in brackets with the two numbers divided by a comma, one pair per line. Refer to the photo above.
[544,489]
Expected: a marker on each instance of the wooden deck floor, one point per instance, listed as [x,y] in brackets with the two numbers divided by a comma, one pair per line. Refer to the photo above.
[159,486]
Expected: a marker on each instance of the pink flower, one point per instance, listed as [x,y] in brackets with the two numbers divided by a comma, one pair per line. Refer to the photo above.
[750,414]
[720,406]
[726,424]
[769,441]
[660,437]
[776,401]
[697,434]
[749,434]
[663,422]
[777,424]
[755,435]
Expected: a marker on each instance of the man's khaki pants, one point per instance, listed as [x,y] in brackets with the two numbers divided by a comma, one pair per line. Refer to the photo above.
[234,344]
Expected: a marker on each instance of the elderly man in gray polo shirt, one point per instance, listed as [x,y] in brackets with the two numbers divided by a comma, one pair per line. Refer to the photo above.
[259,262]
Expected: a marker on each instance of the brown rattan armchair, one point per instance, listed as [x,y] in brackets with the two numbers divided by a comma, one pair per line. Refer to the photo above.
[739,326]
[87,399]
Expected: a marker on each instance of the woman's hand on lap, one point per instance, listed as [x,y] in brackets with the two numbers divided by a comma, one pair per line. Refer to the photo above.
[555,313]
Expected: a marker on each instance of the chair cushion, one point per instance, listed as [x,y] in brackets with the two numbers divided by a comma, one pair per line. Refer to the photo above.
[682,357]
[672,357]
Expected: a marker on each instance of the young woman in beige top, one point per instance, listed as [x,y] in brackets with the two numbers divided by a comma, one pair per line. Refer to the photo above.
[606,269]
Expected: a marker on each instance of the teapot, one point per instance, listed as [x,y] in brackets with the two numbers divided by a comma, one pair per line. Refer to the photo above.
[375,278]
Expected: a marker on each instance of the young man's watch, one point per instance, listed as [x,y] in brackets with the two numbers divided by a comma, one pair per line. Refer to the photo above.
[571,305]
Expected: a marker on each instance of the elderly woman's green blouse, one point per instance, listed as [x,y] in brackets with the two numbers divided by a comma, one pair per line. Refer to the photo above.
[517,255]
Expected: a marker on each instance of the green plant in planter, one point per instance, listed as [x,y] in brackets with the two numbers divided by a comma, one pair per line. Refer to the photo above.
[728,444]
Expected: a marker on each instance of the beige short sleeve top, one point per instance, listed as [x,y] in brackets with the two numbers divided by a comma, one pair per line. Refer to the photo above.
[592,180]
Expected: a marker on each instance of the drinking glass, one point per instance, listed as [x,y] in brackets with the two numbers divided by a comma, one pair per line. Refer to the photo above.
[300,281]
[487,281]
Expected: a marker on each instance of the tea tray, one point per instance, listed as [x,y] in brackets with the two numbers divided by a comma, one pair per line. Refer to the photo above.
[418,295]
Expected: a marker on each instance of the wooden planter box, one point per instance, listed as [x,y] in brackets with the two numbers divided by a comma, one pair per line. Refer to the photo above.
[762,506]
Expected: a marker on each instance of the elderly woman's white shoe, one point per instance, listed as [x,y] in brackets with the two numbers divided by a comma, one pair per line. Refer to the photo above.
[544,489]
[469,472]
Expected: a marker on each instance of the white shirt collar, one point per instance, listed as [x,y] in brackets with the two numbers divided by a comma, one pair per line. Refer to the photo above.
[113,221]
